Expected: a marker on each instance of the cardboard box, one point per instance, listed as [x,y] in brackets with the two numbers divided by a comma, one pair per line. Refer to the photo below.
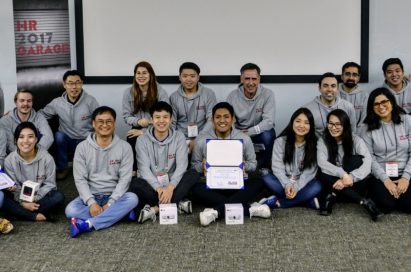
[168,214]
[234,214]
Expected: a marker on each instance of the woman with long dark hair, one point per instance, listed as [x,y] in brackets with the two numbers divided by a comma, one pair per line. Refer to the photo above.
[345,162]
[29,162]
[137,101]
[387,133]
[294,164]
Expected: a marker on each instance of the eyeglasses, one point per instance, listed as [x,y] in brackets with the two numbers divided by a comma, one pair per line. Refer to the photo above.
[348,74]
[105,122]
[383,103]
[72,84]
[334,125]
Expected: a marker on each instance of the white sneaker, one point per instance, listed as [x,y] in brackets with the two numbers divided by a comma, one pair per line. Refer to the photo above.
[260,210]
[207,216]
[185,206]
[147,213]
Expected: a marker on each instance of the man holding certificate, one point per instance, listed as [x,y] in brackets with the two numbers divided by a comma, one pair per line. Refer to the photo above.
[220,162]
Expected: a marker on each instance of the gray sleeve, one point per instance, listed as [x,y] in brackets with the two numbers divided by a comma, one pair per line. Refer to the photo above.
[322,159]
[9,169]
[353,119]
[174,106]
[80,174]
[268,116]
[250,158]
[181,160]
[277,163]
[124,174]
[3,144]
[1,102]
[49,111]
[407,170]
[94,104]
[364,170]
[162,94]
[144,162]
[128,116]
[197,155]
[47,137]
[50,182]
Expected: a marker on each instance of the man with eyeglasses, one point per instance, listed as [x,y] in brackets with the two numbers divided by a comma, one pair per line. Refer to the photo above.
[350,91]
[396,82]
[74,109]
[328,101]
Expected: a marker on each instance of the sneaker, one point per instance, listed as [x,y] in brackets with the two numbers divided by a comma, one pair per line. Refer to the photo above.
[185,206]
[78,226]
[62,174]
[270,201]
[313,204]
[207,216]
[5,226]
[259,210]
[147,213]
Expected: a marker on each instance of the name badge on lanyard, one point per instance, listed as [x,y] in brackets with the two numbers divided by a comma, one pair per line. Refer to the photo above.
[391,168]
[163,179]
[192,130]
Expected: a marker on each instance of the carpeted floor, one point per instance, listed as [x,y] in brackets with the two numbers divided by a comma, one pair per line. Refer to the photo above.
[295,239]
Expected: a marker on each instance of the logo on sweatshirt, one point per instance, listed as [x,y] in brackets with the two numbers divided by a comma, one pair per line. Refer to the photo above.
[114,162]
[40,178]
[404,137]
[258,110]
[85,117]
[171,156]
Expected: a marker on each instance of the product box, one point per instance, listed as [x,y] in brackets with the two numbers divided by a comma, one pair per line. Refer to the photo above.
[234,214]
[168,214]
[29,190]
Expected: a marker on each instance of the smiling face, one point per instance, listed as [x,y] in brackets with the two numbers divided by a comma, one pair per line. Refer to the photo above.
[328,89]
[383,108]
[394,76]
[104,125]
[161,121]
[350,77]
[189,79]
[250,80]
[223,121]
[27,141]
[24,103]
[142,76]
[335,127]
[301,125]
[73,86]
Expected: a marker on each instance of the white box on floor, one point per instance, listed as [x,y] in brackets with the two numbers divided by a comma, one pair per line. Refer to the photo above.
[29,190]
[234,214]
[168,214]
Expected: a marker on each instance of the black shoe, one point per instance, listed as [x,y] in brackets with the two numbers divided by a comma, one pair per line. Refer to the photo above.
[326,208]
[372,209]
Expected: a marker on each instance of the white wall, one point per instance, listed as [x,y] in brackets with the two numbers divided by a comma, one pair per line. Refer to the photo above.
[389,37]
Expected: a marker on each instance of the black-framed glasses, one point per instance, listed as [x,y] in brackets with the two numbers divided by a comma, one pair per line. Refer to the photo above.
[334,125]
[383,103]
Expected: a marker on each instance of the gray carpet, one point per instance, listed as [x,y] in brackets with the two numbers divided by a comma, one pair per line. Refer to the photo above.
[295,239]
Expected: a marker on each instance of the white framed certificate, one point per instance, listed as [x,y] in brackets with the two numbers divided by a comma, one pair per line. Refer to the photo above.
[224,164]
[5,181]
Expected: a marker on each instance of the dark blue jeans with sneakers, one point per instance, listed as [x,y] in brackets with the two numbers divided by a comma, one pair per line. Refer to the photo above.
[267,139]
[306,194]
[64,144]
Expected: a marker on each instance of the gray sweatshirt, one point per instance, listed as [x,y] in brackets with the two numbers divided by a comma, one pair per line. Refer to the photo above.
[131,118]
[390,143]
[10,121]
[320,112]
[3,145]
[75,120]
[1,102]
[256,114]
[403,97]
[359,99]
[196,109]
[336,170]
[105,171]
[41,170]
[291,174]
[169,156]
[200,149]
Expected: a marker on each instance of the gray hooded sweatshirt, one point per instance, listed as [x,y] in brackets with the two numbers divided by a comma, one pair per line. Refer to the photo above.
[75,119]
[403,97]
[41,170]
[291,174]
[102,171]
[390,143]
[159,157]
[256,114]
[359,99]
[3,145]
[10,121]
[196,109]
[328,168]
[1,102]
[320,112]
[132,118]
[200,149]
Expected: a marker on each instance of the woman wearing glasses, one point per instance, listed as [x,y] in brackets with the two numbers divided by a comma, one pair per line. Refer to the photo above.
[387,133]
[137,101]
[345,162]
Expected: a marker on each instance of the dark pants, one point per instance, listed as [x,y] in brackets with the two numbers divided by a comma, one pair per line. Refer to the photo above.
[217,198]
[147,195]
[48,204]
[385,201]
[267,139]
[132,142]
[352,194]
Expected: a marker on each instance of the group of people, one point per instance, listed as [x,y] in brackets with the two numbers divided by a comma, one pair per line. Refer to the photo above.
[345,145]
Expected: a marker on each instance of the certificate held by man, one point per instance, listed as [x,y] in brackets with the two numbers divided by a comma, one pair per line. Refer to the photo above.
[224,164]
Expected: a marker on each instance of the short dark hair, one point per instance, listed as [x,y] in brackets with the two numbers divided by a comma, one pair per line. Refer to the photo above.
[22,126]
[250,66]
[351,64]
[328,74]
[161,106]
[103,109]
[72,73]
[22,91]
[223,105]
[189,65]
[390,61]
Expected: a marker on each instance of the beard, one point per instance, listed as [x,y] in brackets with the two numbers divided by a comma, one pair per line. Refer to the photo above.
[350,84]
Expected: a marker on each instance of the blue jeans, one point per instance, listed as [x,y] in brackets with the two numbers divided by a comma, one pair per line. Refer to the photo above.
[64,144]
[110,216]
[1,198]
[311,190]
[267,139]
